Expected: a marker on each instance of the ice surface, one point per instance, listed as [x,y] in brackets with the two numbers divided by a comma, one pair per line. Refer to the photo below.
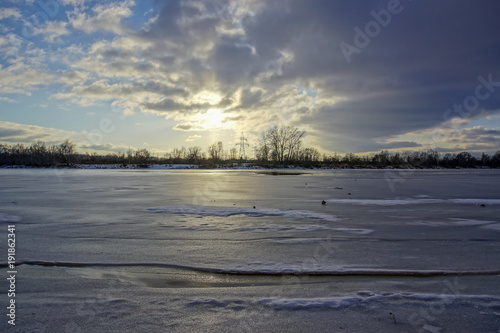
[249,211]
[459,222]
[416,201]
[9,218]
[367,298]
[185,251]
[495,226]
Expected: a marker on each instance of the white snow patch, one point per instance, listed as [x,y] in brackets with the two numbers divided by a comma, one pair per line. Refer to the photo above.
[384,202]
[459,222]
[300,240]
[495,226]
[9,218]
[360,298]
[229,211]
[410,201]
[314,303]
[467,222]
[356,231]
[476,201]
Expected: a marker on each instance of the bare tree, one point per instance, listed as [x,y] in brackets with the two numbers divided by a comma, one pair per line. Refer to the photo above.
[130,155]
[309,155]
[284,142]
[233,154]
[216,152]
[178,154]
[194,154]
[142,157]
[66,151]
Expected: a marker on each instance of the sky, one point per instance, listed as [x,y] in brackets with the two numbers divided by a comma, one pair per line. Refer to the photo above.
[358,76]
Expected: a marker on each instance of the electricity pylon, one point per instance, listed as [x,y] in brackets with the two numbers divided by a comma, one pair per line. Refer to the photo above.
[242,144]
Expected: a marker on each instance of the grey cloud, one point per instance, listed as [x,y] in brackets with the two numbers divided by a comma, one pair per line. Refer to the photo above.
[187,127]
[166,104]
[426,60]
[169,105]
[183,127]
[233,63]
[106,147]
[400,144]
[249,98]
[8,133]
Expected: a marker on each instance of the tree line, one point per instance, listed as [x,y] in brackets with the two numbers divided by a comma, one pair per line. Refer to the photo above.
[38,154]
[414,159]
[276,147]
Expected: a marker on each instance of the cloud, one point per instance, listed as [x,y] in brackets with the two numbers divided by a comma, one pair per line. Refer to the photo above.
[107,17]
[188,127]
[71,78]
[26,134]
[73,2]
[22,78]
[104,148]
[451,136]
[52,31]
[128,95]
[10,45]
[192,138]
[6,13]
[6,99]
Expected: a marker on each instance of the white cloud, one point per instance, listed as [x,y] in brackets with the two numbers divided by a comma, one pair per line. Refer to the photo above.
[192,138]
[108,17]
[10,45]
[53,31]
[6,99]
[6,13]
[73,2]
[21,78]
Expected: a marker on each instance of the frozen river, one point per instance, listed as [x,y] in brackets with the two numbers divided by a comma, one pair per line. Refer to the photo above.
[252,250]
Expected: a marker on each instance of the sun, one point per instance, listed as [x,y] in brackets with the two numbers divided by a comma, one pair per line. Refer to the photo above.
[212,119]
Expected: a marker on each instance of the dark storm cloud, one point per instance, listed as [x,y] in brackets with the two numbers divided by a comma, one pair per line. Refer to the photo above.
[232,63]
[427,58]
